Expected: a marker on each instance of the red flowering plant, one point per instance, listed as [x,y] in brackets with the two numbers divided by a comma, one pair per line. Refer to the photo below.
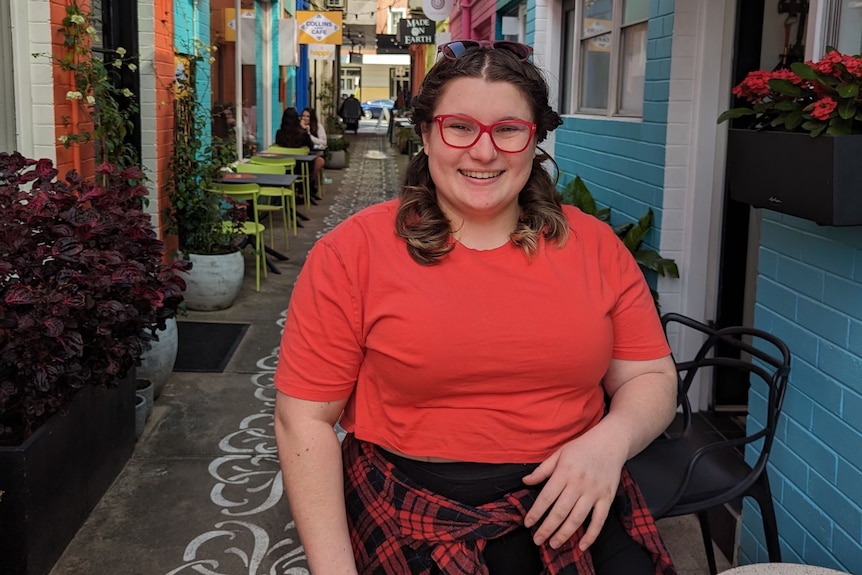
[83,286]
[813,97]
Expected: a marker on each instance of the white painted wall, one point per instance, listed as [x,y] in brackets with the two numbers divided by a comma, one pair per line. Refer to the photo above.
[34,92]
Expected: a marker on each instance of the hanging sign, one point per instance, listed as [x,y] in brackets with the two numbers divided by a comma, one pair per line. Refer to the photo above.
[437,10]
[321,51]
[319,27]
[415,31]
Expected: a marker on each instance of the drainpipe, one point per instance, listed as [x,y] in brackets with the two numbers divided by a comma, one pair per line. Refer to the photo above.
[238,77]
[466,20]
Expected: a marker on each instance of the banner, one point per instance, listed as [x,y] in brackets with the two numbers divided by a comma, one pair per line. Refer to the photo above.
[319,27]
[288,48]
[321,52]
[248,41]
[437,10]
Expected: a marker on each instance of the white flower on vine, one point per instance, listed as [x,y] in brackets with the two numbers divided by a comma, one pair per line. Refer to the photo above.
[211,60]
[91,100]
[91,31]
[127,93]
[117,63]
[63,139]
[215,48]
[77,19]
[132,67]
[73,95]
[121,51]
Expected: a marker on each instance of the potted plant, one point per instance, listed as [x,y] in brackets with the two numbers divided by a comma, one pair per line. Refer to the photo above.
[798,152]
[83,287]
[207,224]
[336,153]
[632,234]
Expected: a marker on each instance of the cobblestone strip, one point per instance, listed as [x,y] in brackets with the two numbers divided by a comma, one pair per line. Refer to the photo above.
[248,486]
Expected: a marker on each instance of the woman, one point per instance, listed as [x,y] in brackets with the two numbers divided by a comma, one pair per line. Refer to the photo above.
[467,336]
[292,134]
[308,121]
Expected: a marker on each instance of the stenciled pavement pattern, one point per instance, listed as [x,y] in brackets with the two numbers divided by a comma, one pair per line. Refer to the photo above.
[202,493]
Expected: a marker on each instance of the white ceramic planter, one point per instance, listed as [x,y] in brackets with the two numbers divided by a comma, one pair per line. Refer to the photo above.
[157,363]
[337,160]
[214,281]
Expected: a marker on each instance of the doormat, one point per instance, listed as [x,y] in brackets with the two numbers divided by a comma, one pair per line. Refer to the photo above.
[207,346]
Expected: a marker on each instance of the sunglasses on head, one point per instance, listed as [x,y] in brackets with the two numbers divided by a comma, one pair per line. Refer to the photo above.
[454,50]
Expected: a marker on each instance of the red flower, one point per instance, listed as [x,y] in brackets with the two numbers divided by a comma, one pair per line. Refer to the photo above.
[823,108]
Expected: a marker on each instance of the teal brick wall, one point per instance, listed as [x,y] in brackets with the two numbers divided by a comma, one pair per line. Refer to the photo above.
[809,293]
[531,23]
[191,36]
[622,161]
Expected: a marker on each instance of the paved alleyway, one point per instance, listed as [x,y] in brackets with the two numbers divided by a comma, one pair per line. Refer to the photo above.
[202,492]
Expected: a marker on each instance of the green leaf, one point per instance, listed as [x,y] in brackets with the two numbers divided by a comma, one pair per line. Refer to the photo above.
[785,87]
[803,70]
[785,105]
[652,260]
[847,109]
[794,120]
[638,232]
[839,127]
[577,194]
[735,113]
[847,90]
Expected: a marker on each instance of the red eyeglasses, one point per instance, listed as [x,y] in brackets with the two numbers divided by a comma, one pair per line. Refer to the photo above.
[510,136]
[454,50]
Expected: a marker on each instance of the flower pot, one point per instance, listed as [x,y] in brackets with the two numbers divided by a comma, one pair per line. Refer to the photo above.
[140,415]
[337,160]
[157,363]
[816,179]
[53,480]
[144,388]
[214,282]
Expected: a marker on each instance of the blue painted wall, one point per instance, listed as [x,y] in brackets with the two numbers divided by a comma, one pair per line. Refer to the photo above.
[622,161]
[192,36]
[809,293]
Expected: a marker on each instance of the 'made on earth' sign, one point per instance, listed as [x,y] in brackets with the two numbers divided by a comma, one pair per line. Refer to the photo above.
[415,31]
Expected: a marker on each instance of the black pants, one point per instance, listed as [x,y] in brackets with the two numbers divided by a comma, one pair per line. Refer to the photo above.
[613,553]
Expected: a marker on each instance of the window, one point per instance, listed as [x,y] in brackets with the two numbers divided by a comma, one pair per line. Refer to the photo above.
[395,16]
[604,58]
[850,28]
[7,94]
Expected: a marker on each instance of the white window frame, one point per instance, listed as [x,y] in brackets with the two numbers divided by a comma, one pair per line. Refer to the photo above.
[8,139]
[573,106]
[392,27]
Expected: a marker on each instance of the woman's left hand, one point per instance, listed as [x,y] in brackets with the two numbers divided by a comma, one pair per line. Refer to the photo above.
[582,478]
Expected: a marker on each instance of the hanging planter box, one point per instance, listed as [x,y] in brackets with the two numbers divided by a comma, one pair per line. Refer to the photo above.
[816,179]
[51,482]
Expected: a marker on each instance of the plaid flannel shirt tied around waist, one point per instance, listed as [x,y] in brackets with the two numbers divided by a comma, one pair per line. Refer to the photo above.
[397,527]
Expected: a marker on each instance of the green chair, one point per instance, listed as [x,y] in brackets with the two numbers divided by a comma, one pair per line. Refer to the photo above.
[285,195]
[303,176]
[248,193]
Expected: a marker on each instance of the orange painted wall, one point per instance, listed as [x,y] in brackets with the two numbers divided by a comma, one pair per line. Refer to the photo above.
[164,70]
[82,156]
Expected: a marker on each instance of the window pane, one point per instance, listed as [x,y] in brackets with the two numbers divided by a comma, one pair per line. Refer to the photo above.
[595,72]
[567,79]
[635,11]
[633,66]
[850,28]
[598,17]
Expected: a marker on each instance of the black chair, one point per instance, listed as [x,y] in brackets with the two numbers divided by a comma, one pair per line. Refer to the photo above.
[687,472]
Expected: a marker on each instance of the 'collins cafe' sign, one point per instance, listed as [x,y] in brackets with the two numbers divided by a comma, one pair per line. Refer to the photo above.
[415,31]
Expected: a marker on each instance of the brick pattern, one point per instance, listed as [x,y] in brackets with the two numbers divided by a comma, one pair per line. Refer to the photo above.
[623,160]
[809,293]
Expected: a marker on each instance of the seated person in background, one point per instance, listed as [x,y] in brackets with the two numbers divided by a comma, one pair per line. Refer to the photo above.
[315,130]
[291,134]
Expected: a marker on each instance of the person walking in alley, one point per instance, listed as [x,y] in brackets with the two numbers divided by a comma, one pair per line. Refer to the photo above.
[494,356]
[350,111]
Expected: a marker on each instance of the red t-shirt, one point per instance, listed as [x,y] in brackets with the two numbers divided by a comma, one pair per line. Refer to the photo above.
[489,356]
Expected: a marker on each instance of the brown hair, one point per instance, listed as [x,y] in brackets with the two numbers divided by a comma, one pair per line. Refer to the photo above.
[419,220]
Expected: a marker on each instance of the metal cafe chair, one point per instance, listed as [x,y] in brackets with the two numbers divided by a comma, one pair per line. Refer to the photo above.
[688,472]
[248,193]
[286,196]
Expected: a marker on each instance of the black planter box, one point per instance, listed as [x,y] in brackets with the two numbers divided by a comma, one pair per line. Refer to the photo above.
[817,179]
[50,483]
